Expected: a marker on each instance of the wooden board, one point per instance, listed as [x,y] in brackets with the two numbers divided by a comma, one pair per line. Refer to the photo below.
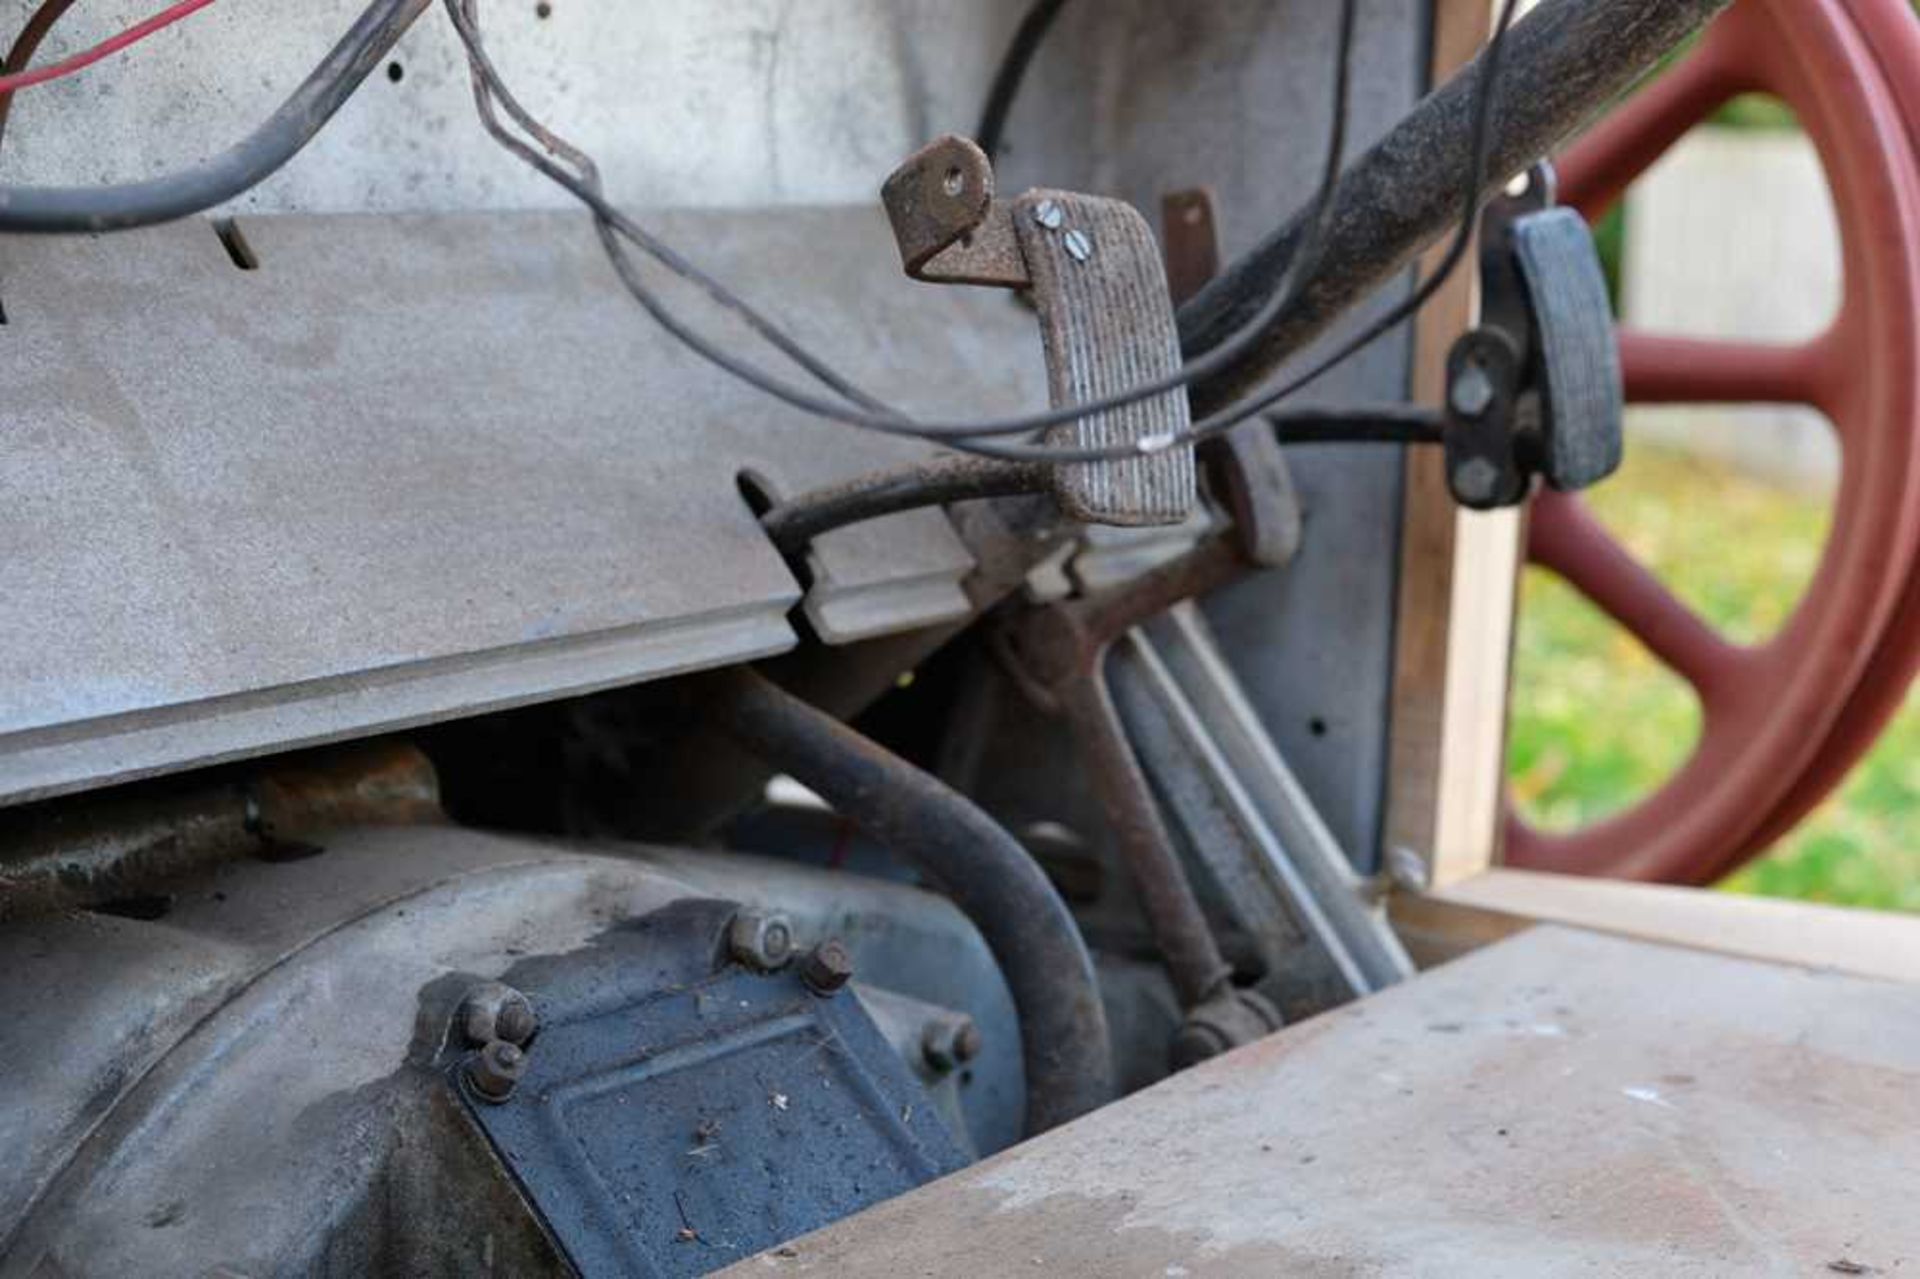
[1455,613]
[1560,1103]
[1500,901]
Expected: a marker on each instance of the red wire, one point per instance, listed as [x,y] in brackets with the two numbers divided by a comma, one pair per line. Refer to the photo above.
[106,48]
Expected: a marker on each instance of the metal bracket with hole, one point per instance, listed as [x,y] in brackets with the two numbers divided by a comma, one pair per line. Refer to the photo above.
[1106,318]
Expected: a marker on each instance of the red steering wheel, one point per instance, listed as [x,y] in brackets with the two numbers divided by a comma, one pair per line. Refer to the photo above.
[1783,720]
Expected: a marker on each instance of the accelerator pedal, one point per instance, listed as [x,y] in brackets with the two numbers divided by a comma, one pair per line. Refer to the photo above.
[1094,271]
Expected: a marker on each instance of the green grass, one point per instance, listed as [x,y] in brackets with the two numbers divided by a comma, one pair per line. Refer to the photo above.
[1597,722]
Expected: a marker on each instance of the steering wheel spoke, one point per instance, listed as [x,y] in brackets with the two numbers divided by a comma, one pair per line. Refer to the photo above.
[1564,536]
[1661,369]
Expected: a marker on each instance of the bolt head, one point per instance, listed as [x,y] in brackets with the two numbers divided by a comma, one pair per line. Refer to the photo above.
[495,1071]
[760,939]
[494,1010]
[828,967]
[950,1041]
[1471,392]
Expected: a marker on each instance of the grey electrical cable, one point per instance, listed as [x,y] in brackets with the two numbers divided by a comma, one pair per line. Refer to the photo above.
[585,186]
[247,163]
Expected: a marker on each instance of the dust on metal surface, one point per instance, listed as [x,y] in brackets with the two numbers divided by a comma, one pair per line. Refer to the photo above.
[1560,1100]
[669,1118]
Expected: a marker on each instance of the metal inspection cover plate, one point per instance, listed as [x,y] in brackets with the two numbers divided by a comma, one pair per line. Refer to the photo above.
[670,1131]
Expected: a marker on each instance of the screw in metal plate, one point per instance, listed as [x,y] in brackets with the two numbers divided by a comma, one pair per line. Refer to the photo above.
[828,967]
[1049,214]
[760,939]
[1077,245]
[1471,393]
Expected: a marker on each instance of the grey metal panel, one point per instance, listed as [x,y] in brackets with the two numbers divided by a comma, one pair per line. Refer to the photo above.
[716,104]
[756,102]
[415,466]
[1560,1103]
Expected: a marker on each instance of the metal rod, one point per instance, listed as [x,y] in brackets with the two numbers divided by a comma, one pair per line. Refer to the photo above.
[1179,926]
[963,850]
[1564,63]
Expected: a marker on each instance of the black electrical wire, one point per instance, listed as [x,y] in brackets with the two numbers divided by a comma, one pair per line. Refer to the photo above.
[1027,38]
[244,165]
[794,523]
[1449,263]
[584,185]
[1358,424]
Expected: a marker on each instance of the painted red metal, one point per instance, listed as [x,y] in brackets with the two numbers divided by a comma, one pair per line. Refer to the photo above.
[1784,719]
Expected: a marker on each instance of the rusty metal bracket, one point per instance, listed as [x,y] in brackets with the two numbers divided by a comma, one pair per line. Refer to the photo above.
[1106,317]
[949,229]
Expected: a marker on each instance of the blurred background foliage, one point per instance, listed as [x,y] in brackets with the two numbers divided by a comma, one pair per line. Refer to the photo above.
[1597,722]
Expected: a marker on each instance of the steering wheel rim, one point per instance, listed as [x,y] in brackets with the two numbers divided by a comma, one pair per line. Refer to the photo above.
[1783,718]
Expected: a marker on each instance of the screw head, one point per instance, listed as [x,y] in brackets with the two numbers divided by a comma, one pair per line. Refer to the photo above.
[495,1071]
[494,1010]
[1049,214]
[760,939]
[1475,480]
[1077,243]
[828,967]
[1471,392]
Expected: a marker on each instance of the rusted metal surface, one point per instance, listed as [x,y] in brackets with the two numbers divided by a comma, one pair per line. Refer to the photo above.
[1190,236]
[125,846]
[1058,654]
[1106,322]
[1558,1103]
[950,231]
[986,871]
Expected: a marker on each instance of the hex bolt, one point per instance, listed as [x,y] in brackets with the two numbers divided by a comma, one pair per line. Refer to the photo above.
[760,939]
[494,1010]
[828,967]
[1471,392]
[495,1071]
[949,1042]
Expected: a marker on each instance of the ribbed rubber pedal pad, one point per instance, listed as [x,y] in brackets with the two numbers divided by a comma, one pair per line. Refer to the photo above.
[1106,319]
